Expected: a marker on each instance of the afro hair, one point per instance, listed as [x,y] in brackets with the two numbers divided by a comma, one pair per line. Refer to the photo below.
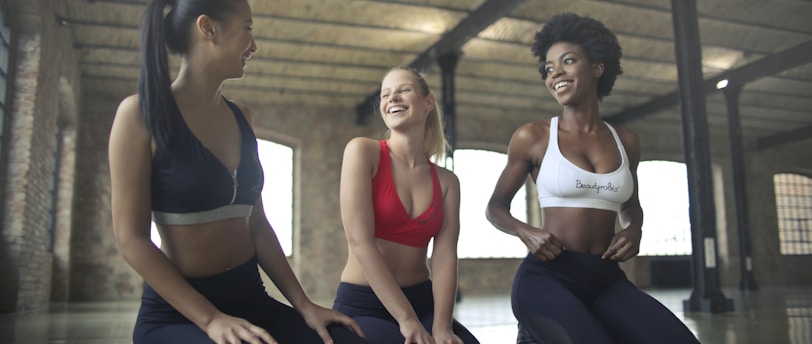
[598,42]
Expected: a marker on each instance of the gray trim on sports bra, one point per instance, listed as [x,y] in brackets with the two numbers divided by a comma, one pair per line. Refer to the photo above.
[216,214]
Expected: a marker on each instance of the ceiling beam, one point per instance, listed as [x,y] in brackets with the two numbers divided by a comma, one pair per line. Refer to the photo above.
[769,65]
[784,137]
[485,15]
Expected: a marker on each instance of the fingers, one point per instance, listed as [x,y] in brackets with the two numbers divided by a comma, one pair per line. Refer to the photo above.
[325,336]
[351,324]
[230,330]
[260,333]
[620,251]
[549,248]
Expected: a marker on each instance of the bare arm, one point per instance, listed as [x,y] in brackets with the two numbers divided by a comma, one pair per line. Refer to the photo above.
[444,258]
[359,225]
[626,243]
[130,158]
[273,261]
[520,163]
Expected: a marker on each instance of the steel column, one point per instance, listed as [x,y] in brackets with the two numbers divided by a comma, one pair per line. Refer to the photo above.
[448,65]
[706,295]
[732,93]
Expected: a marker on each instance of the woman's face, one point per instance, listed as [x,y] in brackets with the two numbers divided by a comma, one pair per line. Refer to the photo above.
[237,40]
[571,76]
[402,99]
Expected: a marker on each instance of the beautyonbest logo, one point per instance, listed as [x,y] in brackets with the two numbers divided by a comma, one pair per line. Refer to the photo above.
[596,187]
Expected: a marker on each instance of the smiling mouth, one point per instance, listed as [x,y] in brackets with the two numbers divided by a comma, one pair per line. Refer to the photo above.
[396,109]
[561,84]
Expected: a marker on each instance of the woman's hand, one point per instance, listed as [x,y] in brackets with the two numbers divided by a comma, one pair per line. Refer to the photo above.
[446,336]
[542,244]
[225,329]
[625,245]
[415,333]
[318,318]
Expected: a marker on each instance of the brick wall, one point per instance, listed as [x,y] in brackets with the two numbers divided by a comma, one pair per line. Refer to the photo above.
[43,54]
[98,272]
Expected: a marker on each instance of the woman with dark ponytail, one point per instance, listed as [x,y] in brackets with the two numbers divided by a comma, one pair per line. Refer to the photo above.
[184,156]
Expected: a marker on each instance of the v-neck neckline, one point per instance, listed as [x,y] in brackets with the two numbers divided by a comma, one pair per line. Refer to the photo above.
[400,202]
[231,172]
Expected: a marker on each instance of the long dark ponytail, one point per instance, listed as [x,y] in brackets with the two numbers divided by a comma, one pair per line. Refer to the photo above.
[160,34]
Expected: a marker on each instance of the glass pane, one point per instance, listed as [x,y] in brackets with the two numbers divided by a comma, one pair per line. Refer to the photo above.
[277,194]
[793,202]
[667,224]
[478,171]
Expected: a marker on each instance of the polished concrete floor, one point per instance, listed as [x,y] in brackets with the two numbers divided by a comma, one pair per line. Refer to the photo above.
[770,315]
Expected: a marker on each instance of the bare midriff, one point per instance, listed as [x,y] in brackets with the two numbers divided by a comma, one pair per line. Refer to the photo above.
[407,264]
[581,229]
[207,249]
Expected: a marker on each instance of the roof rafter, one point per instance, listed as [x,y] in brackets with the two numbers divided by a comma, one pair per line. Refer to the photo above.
[769,65]
[485,15]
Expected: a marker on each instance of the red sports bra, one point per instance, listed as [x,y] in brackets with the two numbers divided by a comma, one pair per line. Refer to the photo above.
[392,222]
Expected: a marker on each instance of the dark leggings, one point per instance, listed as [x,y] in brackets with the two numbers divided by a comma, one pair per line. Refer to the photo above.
[360,303]
[238,292]
[582,298]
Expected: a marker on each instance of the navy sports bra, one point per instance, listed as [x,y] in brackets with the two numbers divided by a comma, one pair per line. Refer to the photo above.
[191,186]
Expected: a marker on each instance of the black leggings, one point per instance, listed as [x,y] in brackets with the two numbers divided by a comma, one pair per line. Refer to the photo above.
[582,298]
[361,303]
[238,292]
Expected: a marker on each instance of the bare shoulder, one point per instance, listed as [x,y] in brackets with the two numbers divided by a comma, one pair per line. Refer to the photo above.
[628,137]
[128,123]
[362,151]
[128,107]
[631,143]
[531,133]
[448,179]
[362,145]
[529,142]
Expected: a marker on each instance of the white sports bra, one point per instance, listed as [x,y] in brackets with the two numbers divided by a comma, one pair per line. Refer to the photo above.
[561,183]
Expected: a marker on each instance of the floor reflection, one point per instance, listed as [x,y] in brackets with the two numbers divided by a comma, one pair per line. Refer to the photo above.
[771,315]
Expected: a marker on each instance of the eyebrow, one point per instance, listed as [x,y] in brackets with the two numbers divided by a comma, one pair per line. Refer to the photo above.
[560,56]
[398,86]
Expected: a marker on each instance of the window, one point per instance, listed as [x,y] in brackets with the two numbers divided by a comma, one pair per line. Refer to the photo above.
[663,192]
[478,171]
[277,194]
[793,202]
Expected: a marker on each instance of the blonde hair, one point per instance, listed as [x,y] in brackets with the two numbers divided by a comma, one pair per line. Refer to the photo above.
[434,141]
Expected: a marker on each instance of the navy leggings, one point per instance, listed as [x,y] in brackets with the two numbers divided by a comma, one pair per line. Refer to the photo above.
[582,298]
[361,303]
[238,292]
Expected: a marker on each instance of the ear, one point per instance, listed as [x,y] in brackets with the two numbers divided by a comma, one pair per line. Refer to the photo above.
[431,102]
[597,69]
[205,27]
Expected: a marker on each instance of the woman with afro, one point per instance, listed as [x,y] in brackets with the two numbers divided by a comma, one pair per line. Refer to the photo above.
[570,288]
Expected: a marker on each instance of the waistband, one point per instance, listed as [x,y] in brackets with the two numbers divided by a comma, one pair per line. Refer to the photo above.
[577,267]
[231,291]
[358,300]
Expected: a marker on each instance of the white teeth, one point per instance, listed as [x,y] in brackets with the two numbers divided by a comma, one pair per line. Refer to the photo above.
[397,109]
[561,84]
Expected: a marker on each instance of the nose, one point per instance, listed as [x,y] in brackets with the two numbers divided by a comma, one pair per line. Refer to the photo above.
[253,47]
[394,96]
